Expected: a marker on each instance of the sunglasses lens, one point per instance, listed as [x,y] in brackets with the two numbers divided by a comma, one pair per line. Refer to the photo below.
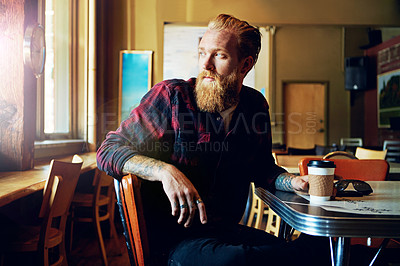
[341,185]
[363,187]
[358,185]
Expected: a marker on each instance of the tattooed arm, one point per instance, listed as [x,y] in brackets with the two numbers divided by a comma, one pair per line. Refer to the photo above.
[289,182]
[178,188]
[145,167]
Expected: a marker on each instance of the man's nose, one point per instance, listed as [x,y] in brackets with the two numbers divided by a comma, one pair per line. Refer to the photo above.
[208,63]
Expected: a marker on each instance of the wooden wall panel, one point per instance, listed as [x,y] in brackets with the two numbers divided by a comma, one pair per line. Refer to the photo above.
[17,89]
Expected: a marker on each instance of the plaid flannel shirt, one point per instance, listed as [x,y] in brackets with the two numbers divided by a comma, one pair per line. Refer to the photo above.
[167,125]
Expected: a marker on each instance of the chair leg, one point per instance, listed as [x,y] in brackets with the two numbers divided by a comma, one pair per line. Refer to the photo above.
[113,233]
[62,252]
[260,214]
[100,236]
[71,233]
[250,218]
[45,259]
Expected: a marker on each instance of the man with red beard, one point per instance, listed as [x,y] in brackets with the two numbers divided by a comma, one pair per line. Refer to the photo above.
[197,145]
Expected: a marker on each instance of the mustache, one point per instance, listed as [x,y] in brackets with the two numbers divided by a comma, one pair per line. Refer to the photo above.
[210,74]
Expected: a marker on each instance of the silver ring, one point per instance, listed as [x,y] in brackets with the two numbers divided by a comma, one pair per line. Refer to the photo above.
[183,206]
[198,201]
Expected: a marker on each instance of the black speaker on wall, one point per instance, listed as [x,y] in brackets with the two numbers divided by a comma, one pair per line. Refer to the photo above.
[356,73]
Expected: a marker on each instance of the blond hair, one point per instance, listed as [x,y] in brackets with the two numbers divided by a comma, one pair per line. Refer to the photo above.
[248,37]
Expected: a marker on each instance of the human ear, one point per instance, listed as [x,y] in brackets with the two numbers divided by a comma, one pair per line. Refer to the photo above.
[248,63]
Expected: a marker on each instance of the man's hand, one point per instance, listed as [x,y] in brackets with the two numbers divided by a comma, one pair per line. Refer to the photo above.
[184,198]
[290,182]
[300,183]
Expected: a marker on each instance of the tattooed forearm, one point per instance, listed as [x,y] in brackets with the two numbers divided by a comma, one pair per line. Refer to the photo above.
[144,167]
[284,182]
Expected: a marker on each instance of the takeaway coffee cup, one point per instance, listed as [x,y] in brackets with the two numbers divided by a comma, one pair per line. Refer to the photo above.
[321,176]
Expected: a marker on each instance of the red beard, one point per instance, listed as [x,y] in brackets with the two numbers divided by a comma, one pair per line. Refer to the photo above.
[218,95]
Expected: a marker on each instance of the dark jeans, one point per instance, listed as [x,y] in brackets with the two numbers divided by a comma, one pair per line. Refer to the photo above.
[241,245]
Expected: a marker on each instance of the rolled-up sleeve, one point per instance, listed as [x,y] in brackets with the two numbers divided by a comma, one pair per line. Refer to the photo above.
[146,124]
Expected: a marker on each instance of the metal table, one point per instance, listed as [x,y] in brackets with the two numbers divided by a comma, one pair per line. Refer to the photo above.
[313,219]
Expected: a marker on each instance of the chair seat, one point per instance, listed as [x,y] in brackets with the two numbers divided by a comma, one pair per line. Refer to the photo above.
[26,238]
[86,200]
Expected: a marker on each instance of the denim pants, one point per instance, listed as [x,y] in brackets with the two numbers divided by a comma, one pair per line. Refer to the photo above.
[241,245]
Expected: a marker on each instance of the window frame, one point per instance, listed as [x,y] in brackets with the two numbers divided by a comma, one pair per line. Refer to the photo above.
[81,100]
[40,134]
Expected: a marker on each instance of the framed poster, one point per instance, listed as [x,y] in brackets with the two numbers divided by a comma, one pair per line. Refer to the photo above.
[135,68]
[388,97]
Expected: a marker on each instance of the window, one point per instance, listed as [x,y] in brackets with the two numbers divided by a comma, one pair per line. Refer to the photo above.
[56,85]
[62,108]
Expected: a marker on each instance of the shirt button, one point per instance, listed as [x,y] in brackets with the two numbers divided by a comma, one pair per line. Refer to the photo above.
[218,118]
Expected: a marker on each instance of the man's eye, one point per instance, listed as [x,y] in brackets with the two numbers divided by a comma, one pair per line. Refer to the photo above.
[221,55]
[201,53]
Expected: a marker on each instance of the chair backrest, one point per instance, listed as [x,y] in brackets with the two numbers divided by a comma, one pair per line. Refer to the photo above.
[58,192]
[367,170]
[60,186]
[275,158]
[103,184]
[393,150]
[355,142]
[339,155]
[363,153]
[131,209]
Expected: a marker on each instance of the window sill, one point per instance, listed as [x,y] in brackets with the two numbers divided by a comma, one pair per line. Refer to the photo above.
[52,148]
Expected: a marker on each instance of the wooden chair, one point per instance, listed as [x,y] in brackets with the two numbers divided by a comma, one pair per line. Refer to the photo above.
[258,210]
[363,153]
[58,193]
[100,204]
[339,155]
[130,205]
[273,223]
[393,150]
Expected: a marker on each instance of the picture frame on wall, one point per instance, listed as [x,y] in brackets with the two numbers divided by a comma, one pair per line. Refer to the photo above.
[135,77]
[388,97]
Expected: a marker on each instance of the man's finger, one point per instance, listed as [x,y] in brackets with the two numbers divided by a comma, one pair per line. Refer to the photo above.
[192,212]
[174,205]
[202,210]
[184,209]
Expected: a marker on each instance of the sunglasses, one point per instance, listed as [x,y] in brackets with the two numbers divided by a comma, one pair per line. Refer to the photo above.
[363,188]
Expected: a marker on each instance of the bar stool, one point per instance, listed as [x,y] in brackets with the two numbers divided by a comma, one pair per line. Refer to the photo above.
[102,205]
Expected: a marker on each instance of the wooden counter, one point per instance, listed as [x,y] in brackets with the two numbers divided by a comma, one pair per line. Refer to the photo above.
[17,184]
